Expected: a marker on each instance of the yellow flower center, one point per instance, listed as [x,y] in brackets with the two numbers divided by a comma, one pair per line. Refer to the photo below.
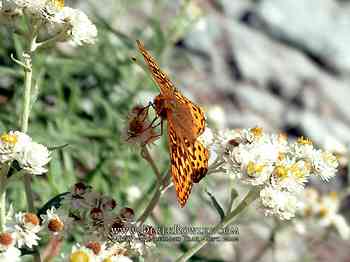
[79,256]
[281,156]
[281,172]
[304,141]
[256,131]
[59,4]
[323,212]
[253,168]
[297,171]
[9,139]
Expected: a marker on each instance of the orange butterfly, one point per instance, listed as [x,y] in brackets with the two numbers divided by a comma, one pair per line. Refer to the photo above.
[189,158]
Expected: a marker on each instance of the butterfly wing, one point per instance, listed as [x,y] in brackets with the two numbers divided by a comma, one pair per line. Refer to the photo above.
[181,168]
[162,80]
[189,116]
[188,110]
[189,162]
[186,121]
[198,156]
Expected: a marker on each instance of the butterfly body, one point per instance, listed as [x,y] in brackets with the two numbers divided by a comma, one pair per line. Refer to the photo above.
[186,121]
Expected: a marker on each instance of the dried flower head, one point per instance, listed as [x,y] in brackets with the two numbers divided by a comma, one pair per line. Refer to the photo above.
[139,130]
[94,246]
[6,240]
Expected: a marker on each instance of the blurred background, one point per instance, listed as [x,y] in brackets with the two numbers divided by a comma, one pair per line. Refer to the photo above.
[281,65]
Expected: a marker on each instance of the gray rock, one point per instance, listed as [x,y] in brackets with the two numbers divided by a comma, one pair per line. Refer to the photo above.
[322,27]
[262,60]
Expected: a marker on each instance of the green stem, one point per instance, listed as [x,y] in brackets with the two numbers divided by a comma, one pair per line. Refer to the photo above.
[3,183]
[161,184]
[2,210]
[27,91]
[2,200]
[28,75]
[29,192]
[161,188]
[229,219]
[25,117]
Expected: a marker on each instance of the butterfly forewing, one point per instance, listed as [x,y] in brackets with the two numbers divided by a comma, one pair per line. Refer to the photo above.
[163,81]
[181,168]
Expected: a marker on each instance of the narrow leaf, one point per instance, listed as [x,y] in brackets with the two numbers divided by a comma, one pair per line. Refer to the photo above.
[234,195]
[216,205]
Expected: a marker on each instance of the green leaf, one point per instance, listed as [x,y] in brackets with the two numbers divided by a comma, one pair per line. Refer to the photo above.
[57,147]
[234,195]
[216,205]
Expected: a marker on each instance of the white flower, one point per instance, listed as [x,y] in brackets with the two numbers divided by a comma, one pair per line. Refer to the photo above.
[23,141]
[30,155]
[325,164]
[12,254]
[309,202]
[207,137]
[81,253]
[33,158]
[24,228]
[81,30]
[256,173]
[56,221]
[322,212]
[12,143]
[280,203]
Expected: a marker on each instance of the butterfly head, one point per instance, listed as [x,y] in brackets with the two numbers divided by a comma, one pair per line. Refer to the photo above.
[163,105]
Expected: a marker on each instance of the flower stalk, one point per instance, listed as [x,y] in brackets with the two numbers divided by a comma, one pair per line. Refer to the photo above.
[3,198]
[229,219]
[28,74]
[161,185]
[27,98]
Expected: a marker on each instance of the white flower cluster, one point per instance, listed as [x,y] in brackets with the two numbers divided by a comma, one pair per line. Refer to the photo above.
[109,229]
[111,234]
[20,231]
[31,156]
[321,212]
[66,24]
[278,168]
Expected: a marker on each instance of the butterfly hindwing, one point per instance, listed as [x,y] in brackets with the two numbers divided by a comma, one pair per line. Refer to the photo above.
[199,161]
